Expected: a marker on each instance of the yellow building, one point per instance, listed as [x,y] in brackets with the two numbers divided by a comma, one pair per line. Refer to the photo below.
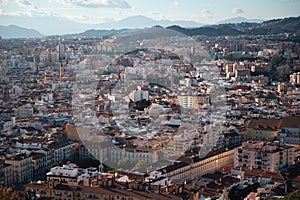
[263,129]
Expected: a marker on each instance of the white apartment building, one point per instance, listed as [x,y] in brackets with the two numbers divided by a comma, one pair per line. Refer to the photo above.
[193,101]
[138,95]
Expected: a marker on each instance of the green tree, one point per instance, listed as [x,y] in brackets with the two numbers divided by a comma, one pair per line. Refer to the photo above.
[293,196]
[60,163]
[140,105]
[113,171]
[139,165]
[276,60]
[7,193]
[123,162]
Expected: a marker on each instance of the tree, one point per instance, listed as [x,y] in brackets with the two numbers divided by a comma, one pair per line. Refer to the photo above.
[292,196]
[116,171]
[139,165]
[140,105]
[124,163]
[89,162]
[60,163]
[7,193]
[276,60]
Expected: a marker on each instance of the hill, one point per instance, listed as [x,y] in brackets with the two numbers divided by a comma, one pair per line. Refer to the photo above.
[13,31]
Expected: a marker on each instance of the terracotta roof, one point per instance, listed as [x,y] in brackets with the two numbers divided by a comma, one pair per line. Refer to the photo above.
[116,191]
[265,124]
[297,179]
[291,122]
[265,174]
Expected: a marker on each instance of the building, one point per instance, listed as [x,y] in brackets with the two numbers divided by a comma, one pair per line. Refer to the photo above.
[6,174]
[22,167]
[295,78]
[191,101]
[263,129]
[70,182]
[261,155]
[290,130]
[25,111]
[139,95]
[39,163]
[190,168]
[62,151]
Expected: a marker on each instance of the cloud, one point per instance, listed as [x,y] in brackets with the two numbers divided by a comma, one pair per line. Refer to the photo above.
[3,1]
[205,14]
[205,11]
[96,3]
[176,3]
[24,2]
[237,10]
[2,12]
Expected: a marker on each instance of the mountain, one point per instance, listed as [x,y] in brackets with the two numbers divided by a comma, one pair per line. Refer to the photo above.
[52,25]
[140,21]
[97,33]
[276,26]
[239,20]
[47,25]
[208,31]
[13,31]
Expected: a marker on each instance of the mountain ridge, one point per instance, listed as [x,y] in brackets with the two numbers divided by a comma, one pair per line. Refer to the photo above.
[274,26]
[13,31]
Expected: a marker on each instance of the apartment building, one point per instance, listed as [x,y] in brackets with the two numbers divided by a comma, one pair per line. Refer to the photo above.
[193,101]
[6,174]
[22,167]
[261,155]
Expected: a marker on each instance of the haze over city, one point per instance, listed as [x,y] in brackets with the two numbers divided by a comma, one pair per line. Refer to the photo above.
[70,16]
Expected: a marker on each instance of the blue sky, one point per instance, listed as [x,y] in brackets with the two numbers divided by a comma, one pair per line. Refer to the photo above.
[203,11]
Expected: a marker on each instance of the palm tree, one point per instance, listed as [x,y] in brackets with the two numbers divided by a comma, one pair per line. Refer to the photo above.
[7,193]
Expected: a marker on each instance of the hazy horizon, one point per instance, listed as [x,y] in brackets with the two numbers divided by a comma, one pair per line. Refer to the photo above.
[71,16]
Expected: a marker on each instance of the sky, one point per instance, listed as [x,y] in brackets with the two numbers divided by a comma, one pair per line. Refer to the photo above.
[100,11]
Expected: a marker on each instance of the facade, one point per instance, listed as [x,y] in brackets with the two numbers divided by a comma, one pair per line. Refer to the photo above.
[39,163]
[295,78]
[266,156]
[6,174]
[63,152]
[191,101]
[212,163]
[189,169]
[22,167]
[263,129]
[139,95]
[25,111]
[290,131]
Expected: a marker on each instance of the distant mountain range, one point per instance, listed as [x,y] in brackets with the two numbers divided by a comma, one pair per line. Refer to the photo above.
[239,20]
[51,25]
[227,27]
[13,31]
[276,26]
